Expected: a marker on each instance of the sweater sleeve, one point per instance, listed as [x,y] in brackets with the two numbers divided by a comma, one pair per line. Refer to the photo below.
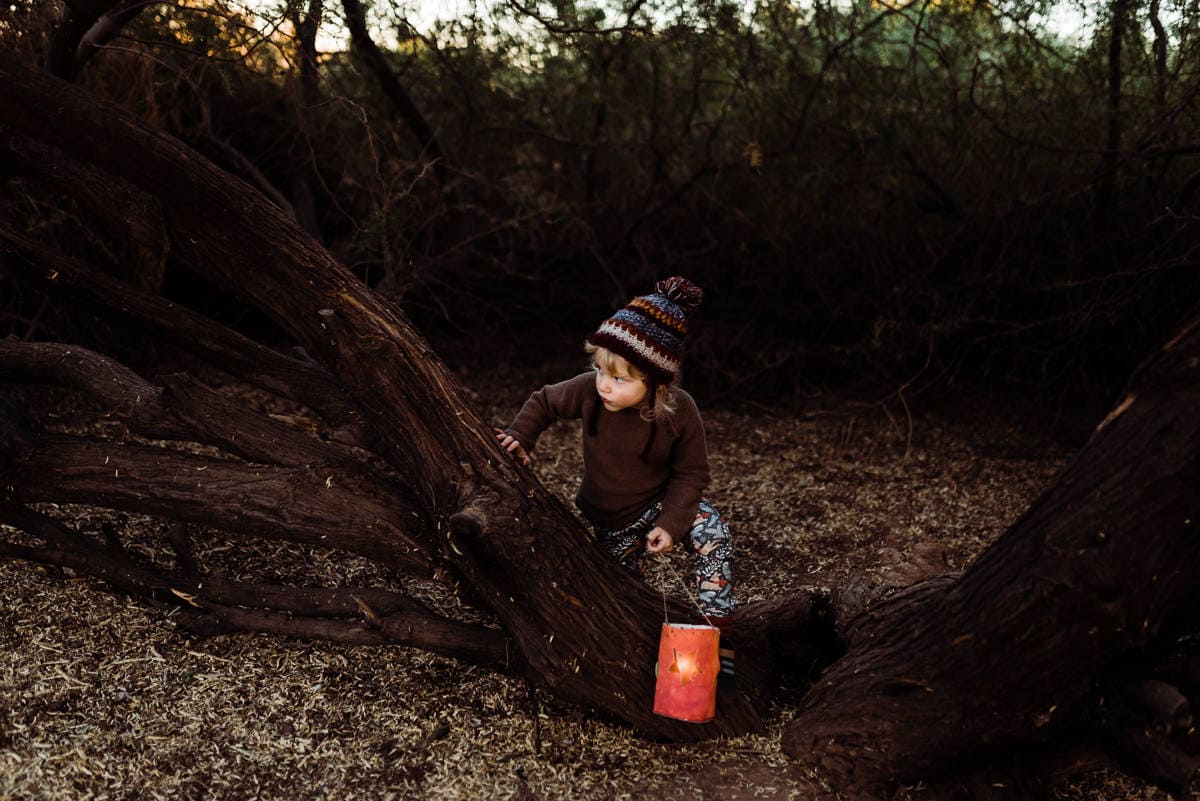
[689,473]
[551,403]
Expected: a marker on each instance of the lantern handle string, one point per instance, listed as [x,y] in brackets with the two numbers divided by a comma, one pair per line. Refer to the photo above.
[662,588]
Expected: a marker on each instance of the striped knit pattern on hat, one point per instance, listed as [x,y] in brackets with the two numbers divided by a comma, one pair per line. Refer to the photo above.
[649,332]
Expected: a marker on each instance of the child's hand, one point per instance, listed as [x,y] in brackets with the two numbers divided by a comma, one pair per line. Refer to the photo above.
[510,444]
[659,540]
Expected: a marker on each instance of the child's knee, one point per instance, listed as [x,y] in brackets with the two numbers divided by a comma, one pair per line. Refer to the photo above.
[704,541]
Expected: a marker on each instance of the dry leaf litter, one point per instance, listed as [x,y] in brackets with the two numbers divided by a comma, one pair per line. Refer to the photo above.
[102,698]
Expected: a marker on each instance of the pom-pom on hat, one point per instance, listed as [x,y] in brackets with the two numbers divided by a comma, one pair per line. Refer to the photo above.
[648,333]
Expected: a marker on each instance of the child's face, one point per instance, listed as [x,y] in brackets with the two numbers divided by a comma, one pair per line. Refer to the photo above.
[617,387]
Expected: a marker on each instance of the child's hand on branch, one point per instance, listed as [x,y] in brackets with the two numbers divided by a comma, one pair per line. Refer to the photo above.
[510,444]
[659,540]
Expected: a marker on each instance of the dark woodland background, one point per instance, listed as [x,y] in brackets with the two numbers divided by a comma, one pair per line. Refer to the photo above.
[892,197]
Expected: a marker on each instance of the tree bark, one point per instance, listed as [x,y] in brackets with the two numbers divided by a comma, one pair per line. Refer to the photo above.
[304,169]
[1013,648]
[160,320]
[403,103]
[214,604]
[310,505]
[63,57]
[587,632]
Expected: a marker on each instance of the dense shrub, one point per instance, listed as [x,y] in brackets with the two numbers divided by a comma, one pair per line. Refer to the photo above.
[870,192]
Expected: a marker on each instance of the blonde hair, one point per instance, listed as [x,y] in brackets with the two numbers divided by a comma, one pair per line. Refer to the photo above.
[665,395]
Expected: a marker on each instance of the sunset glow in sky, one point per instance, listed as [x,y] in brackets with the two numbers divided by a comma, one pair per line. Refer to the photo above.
[1065,19]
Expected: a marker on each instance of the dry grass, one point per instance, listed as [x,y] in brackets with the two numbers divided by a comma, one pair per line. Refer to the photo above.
[100,697]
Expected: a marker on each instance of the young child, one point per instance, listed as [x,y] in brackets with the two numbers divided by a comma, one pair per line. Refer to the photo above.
[645,462]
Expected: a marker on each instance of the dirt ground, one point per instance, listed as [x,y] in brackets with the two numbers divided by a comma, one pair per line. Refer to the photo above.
[101,698]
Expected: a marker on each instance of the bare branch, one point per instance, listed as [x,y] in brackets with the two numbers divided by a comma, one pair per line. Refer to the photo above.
[186,410]
[402,101]
[309,505]
[299,380]
[308,612]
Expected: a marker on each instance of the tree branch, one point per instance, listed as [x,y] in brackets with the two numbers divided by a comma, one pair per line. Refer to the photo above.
[401,100]
[186,410]
[309,505]
[333,614]
[302,381]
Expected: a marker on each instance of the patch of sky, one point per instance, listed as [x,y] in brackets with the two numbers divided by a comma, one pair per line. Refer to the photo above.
[1072,20]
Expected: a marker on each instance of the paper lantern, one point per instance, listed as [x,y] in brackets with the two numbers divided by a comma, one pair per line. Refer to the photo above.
[688,664]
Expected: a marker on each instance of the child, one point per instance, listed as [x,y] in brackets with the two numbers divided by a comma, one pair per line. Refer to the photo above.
[645,462]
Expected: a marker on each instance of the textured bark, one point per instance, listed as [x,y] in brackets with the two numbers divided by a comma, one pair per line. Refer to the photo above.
[162,321]
[181,409]
[133,218]
[587,632]
[948,672]
[352,615]
[311,505]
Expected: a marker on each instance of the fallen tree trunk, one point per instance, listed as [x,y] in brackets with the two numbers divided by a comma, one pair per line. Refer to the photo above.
[585,631]
[1014,647]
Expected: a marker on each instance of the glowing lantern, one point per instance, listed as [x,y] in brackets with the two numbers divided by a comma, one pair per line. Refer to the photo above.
[687,672]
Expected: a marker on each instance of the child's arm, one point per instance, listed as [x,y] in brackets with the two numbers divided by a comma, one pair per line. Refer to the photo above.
[689,475]
[561,401]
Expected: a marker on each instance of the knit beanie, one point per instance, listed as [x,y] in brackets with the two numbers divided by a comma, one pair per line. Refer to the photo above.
[648,333]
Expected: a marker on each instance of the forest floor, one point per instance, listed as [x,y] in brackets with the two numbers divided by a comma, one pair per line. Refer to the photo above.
[102,698]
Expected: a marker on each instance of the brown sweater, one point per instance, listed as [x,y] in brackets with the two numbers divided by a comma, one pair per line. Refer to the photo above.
[618,485]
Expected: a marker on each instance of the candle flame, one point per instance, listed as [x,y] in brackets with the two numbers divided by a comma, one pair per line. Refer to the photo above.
[685,665]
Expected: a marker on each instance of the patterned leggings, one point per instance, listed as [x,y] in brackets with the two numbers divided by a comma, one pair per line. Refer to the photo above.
[708,539]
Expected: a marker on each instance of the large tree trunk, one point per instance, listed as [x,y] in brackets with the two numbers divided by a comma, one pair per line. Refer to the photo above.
[391,463]
[584,630]
[1012,649]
